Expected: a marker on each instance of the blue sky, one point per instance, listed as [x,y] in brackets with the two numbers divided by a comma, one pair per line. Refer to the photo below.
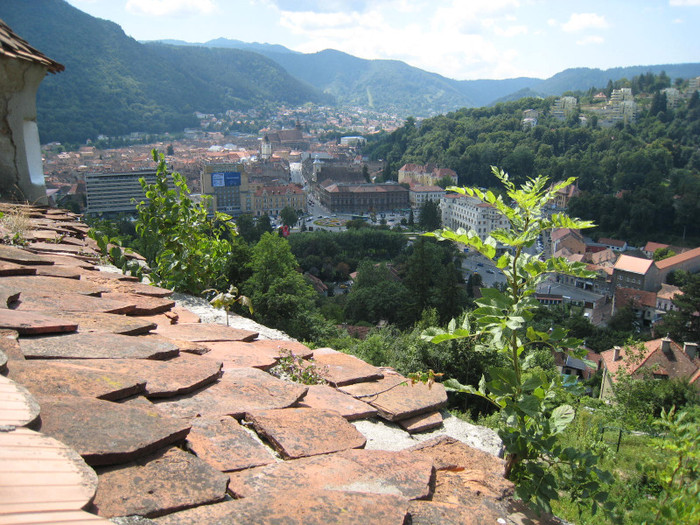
[462,39]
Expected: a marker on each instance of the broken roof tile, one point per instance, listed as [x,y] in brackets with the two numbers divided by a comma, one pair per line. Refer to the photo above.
[176,376]
[239,391]
[342,369]
[236,354]
[69,302]
[106,433]
[298,506]
[370,471]
[144,304]
[421,422]
[225,445]
[294,432]
[198,332]
[56,378]
[105,323]
[96,346]
[34,323]
[164,482]
[396,398]
[40,283]
[328,398]
[20,256]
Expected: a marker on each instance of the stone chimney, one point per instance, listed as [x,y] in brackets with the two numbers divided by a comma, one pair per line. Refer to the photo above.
[616,353]
[691,350]
[666,345]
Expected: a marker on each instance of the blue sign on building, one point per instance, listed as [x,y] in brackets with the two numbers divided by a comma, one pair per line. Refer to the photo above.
[220,179]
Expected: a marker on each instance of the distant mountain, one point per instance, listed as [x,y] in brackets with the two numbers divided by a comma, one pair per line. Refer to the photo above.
[114,85]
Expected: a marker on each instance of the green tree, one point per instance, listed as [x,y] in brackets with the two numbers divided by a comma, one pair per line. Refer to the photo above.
[376,295]
[278,292]
[187,251]
[533,415]
[289,216]
[684,324]
[663,253]
[429,218]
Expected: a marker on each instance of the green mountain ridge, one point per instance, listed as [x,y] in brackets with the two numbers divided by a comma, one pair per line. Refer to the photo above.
[113,85]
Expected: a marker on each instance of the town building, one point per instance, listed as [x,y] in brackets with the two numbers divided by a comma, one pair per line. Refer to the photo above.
[564,107]
[635,273]
[228,185]
[271,200]
[362,198]
[427,175]
[461,211]
[22,68]
[418,195]
[656,359]
[113,193]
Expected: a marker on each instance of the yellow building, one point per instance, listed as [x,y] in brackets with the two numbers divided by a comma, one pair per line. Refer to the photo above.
[227,184]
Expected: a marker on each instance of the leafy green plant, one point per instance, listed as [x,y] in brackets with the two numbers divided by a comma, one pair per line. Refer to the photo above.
[114,252]
[531,404]
[227,300]
[680,477]
[293,367]
[187,250]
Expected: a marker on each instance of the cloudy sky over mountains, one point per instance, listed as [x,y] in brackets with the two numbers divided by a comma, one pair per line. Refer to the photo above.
[462,39]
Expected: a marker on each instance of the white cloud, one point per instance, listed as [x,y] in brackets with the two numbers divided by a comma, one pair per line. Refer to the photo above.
[678,21]
[511,31]
[170,7]
[582,21]
[593,39]
[684,3]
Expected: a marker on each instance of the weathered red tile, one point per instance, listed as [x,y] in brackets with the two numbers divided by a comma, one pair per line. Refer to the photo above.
[281,347]
[10,268]
[52,247]
[144,304]
[236,354]
[371,471]
[141,289]
[471,513]
[55,378]
[9,345]
[103,276]
[165,482]
[64,272]
[301,432]
[465,472]
[40,283]
[18,407]
[396,398]
[422,422]
[106,433]
[315,507]
[20,256]
[40,474]
[342,369]
[176,376]
[72,261]
[328,398]
[9,295]
[199,332]
[239,391]
[69,302]
[225,445]
[34,323]
[95,346]
[104,323]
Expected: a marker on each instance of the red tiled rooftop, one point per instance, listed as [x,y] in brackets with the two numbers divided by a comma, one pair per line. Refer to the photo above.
[678,259]
[631,264]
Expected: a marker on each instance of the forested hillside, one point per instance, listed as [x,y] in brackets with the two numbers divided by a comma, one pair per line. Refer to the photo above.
[639,181]
[114,85]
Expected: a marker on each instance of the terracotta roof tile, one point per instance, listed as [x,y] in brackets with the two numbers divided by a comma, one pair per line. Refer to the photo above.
[631,264]
[13,46]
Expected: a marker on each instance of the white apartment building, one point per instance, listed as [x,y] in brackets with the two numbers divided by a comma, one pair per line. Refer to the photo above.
[111,193]
[419,195]
[460,211]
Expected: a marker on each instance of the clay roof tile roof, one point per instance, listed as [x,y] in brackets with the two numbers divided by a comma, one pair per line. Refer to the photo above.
[13,46]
